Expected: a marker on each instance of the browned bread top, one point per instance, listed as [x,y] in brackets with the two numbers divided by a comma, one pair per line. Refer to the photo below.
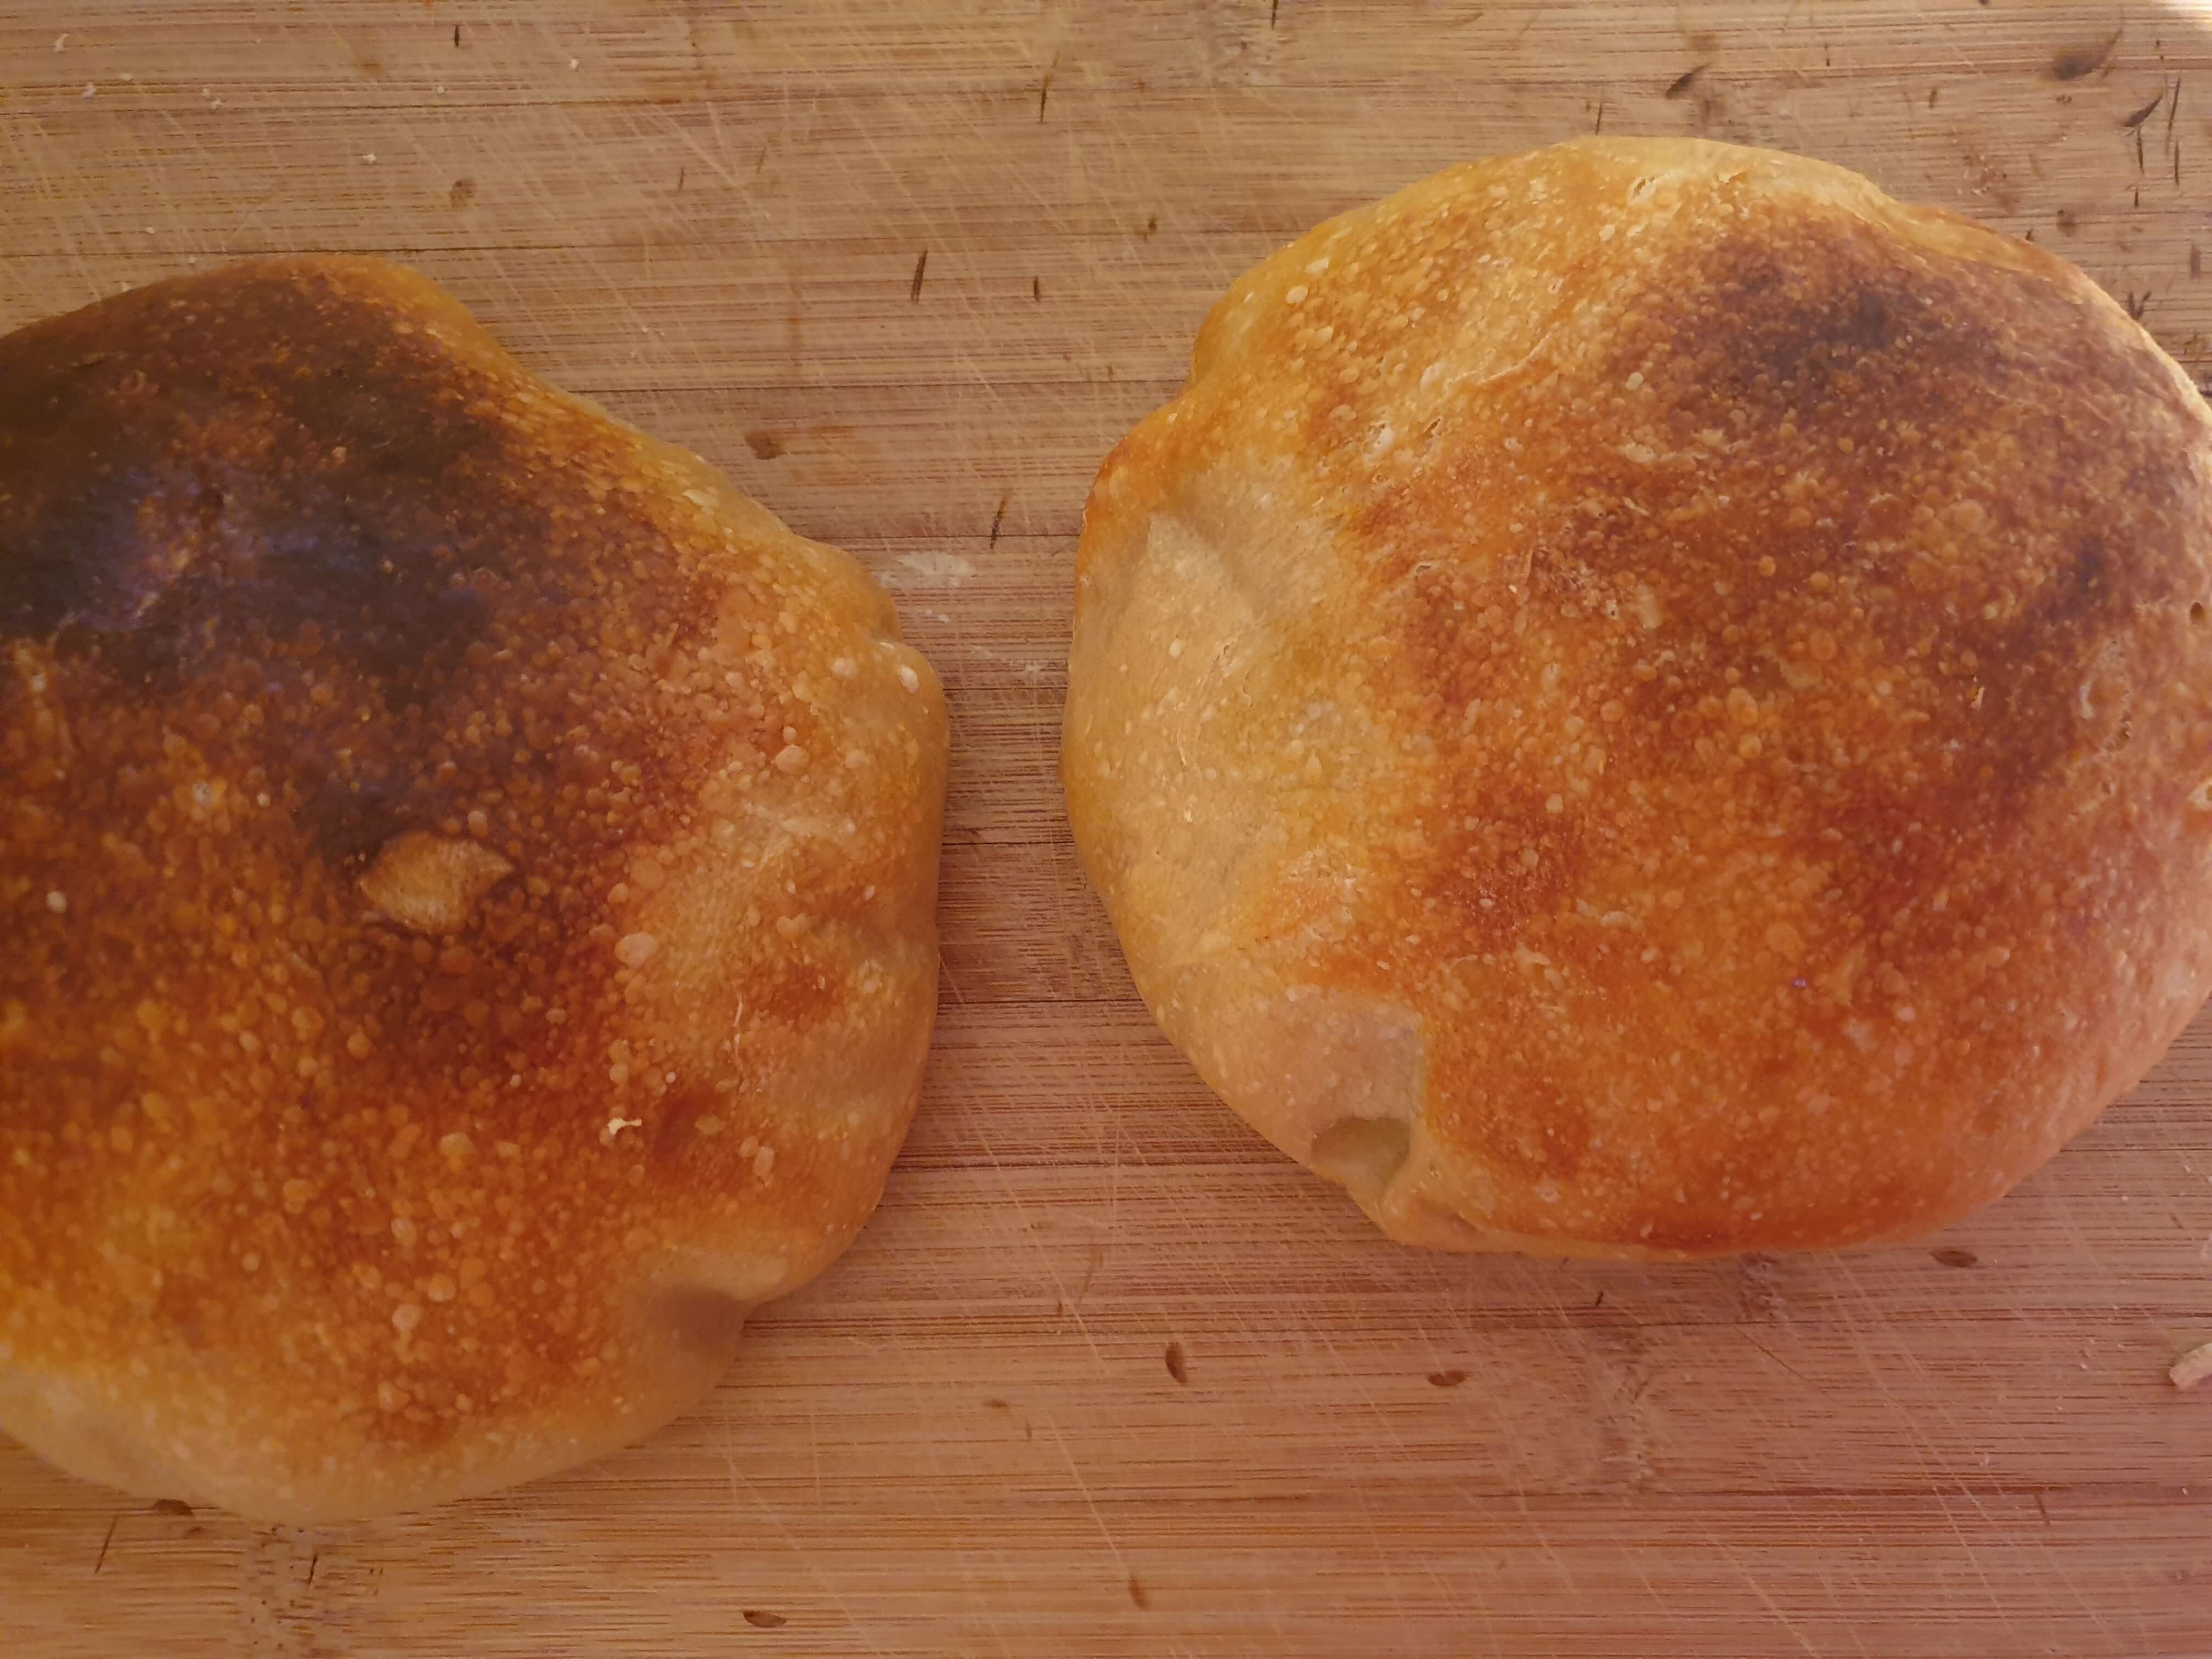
[1648,699]
[467,880]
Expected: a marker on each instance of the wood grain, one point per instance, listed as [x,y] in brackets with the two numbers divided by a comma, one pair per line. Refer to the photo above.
[1107,1376]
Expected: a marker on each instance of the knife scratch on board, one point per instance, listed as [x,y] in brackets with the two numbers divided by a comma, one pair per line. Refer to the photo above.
[806,1557]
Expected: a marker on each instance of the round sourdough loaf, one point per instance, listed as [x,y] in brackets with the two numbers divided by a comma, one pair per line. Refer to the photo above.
[466,876]
[1648,700]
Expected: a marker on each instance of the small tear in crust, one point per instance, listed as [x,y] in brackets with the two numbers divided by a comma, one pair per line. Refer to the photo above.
[430,884]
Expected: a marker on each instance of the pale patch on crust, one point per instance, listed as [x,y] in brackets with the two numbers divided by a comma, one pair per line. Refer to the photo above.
[431,884]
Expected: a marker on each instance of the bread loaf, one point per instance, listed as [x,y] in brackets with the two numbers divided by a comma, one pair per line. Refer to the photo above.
[1647,700]
[466,880]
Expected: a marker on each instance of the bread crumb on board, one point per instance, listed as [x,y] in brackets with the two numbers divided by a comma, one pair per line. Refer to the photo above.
[2193,1367]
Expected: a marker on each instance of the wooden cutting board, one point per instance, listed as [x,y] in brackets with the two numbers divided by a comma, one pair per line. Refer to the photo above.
[1106,1376]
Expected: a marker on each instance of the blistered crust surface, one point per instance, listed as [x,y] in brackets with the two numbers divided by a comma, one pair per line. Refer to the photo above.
[467,880]
[1724,655]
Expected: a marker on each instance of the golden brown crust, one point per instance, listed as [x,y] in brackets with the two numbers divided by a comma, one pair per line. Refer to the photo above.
[468,885]
[1675,684]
